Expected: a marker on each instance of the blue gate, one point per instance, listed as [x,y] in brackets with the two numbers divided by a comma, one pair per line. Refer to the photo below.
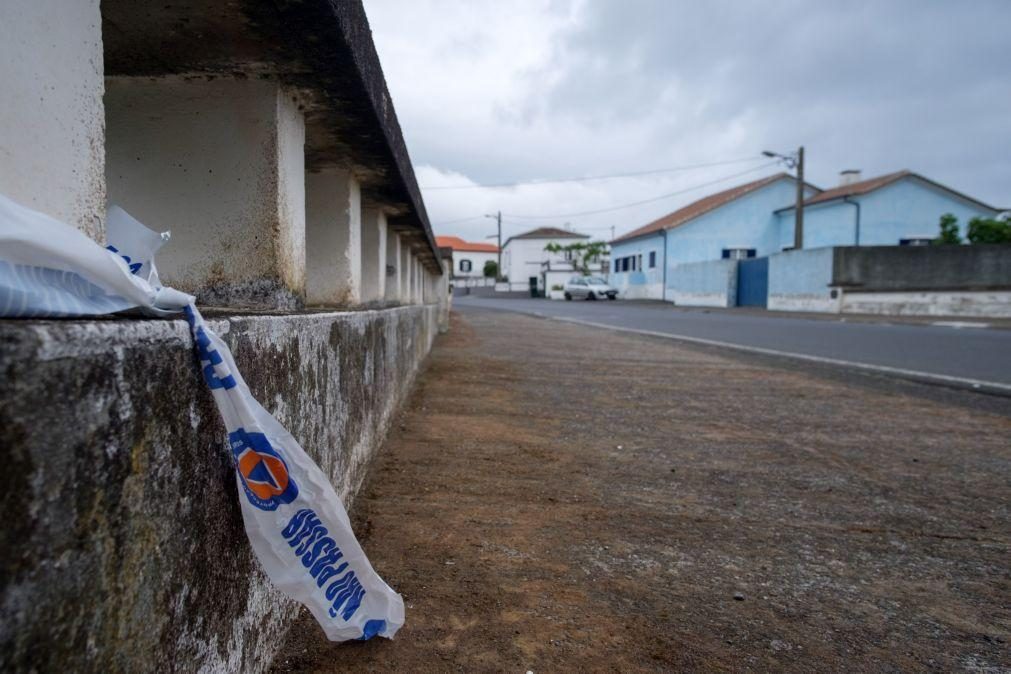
[753,282]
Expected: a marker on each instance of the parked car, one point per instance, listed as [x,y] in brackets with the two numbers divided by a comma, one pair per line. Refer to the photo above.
[589,288]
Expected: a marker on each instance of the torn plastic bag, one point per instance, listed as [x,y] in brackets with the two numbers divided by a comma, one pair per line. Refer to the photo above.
[48,268]
[295,521]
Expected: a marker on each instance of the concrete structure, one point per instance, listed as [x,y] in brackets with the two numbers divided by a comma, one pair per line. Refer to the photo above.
[902,280]
[263,136]
[469,258]
[703,284]
[56,163]
[524,255]
[125,548]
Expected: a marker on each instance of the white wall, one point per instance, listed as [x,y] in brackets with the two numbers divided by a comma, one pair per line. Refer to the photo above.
[477,259]
[334,238]
[522,258]
[220,164]
[52,142]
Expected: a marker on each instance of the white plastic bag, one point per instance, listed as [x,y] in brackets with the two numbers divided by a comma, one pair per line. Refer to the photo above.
[296,524]
[48,268]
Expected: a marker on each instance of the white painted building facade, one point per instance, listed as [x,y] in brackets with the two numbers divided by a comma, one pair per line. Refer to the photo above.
[524,256]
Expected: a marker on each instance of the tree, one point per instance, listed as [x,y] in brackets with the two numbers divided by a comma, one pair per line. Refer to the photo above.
[490,269]
[582,254]
[989,230]
[949,231]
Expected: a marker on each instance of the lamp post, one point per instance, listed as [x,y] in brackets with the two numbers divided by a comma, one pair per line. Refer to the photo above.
[795,161]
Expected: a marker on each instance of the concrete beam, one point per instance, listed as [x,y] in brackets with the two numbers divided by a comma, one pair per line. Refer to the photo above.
[52,122]
[333,238]
[220,164]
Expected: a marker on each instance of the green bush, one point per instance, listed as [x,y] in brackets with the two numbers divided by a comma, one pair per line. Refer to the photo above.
[490,269]
[989,230]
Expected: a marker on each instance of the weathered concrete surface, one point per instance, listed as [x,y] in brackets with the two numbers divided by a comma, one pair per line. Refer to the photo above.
[123,547]
[931,268]
[52,129]
[601,508]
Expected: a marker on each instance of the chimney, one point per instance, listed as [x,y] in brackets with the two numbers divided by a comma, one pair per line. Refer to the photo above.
[849,176]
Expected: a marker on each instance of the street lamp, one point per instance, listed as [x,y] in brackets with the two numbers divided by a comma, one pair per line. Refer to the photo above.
[795,161]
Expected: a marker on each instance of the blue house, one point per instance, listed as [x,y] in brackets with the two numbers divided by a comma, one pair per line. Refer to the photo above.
[740,222]
[756,219]
[901,208]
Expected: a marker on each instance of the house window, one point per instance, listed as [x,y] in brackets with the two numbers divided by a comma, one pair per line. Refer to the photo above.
[738,253]
[652,259]
[617,265]
[916,241]
[465,265]
[624,263]
[638,260]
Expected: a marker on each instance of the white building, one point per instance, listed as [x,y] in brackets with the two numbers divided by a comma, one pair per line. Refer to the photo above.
[524,258]
[468,258]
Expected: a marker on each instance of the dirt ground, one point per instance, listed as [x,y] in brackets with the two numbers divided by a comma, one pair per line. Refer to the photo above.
[557,498]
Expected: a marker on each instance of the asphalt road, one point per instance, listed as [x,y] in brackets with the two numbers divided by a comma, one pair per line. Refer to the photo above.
[967,356]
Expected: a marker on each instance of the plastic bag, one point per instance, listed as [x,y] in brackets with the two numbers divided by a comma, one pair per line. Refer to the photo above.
[295,521]
[48,268]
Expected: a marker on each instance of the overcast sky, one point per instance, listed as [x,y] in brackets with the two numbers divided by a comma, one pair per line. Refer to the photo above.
[493,92]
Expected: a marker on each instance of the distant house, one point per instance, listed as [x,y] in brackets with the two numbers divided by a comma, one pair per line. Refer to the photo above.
[524,258]
[740,222]
[901,208]
[468,258]
[756,219]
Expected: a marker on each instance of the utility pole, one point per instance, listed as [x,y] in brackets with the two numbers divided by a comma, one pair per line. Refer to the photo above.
[498,269]
[798,227]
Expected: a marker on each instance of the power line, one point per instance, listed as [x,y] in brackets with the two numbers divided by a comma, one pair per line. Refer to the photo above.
[458,220]
[547,181]
[644,201]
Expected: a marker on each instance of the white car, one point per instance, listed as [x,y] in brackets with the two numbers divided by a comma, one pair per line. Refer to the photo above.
[589,288]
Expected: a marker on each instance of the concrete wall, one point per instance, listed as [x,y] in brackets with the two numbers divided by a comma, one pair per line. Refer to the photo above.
[800,280]
[703,284]
[905,268]
[333,238]
[123,547]
[646,283]
[220,163]
[51,118]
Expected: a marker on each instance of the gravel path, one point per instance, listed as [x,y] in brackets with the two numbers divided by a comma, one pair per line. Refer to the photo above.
[556,498]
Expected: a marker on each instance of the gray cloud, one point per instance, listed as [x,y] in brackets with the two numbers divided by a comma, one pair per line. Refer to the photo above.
[543,89]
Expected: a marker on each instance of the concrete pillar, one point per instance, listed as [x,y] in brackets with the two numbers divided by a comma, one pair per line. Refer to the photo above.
[405,273]
[392,293]
[52,149]
[220,163]
[333,238]
[373,255]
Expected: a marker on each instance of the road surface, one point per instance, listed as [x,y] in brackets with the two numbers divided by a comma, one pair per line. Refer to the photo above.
[965,356]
